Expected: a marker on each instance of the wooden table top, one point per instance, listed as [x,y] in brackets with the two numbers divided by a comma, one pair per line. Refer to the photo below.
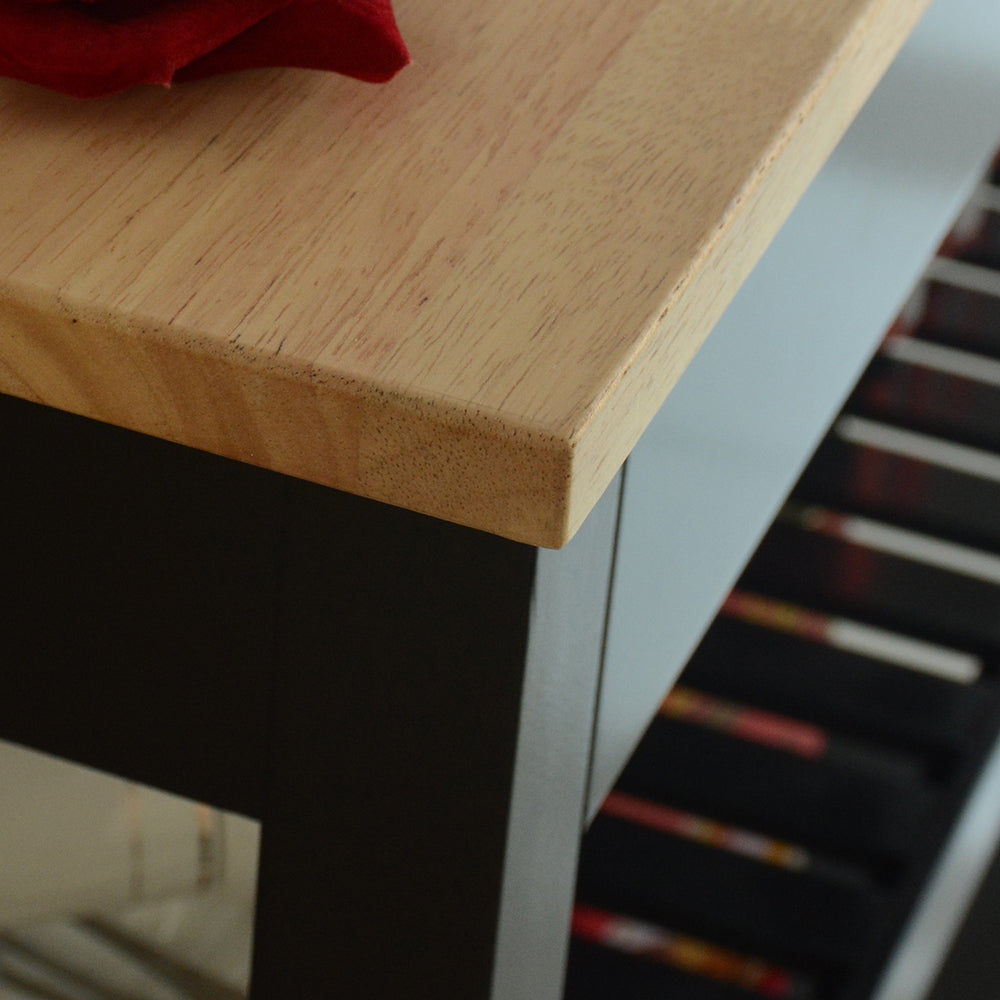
[465,292]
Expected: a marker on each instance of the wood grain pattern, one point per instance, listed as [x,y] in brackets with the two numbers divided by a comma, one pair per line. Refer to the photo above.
[466,292]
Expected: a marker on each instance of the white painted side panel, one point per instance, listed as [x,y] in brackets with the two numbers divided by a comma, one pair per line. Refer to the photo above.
[710,472]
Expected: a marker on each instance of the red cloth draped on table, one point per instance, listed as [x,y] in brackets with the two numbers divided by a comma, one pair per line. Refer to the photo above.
[92,48]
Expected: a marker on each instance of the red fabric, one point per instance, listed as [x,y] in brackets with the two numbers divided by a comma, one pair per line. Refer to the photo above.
[92,48]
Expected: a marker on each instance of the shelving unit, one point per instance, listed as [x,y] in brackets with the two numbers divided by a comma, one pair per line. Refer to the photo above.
[824,773]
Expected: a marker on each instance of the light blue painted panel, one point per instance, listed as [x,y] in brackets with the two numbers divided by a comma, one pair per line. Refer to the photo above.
[709,474]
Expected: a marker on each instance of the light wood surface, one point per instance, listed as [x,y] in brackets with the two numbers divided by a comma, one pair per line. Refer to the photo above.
[466,292]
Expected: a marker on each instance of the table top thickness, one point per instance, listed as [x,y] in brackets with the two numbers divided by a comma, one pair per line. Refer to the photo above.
[465,292]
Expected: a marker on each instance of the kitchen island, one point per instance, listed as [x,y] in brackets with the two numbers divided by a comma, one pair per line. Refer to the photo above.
[313,505]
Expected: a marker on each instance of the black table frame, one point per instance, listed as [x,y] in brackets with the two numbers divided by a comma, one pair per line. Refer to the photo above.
[407,705]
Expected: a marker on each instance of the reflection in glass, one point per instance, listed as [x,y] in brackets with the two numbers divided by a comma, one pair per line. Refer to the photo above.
[111,890]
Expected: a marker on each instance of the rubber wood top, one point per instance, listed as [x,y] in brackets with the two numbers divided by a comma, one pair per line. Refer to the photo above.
[465,292]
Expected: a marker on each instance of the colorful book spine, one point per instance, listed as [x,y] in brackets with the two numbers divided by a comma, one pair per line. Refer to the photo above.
[891,540]
[934,388]
[689,954]
[723,836]
[934,451]
[744,722]
[789,735]
[897,580]
[957,311]
[853,636]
